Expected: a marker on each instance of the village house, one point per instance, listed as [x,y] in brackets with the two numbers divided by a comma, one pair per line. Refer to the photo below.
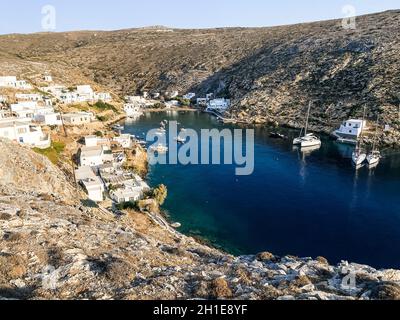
[24,132]
[49,119]
[172,104]
[220,105]
[78,118]
[131,190]
[350,130]
[48,78]
[95,156]
[92,184]
[103,96]
[189,96]
[3,99]
[93,141]
[12,82]
[28,97]
[124,140]
[30,109]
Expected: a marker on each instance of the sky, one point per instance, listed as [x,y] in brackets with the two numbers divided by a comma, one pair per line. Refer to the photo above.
[22,16]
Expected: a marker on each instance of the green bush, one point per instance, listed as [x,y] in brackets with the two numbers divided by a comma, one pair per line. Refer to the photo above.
[103,106]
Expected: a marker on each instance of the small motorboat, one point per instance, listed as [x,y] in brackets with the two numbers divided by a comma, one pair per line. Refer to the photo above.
[277,135]
[118,127]
[160,148]
[180,140]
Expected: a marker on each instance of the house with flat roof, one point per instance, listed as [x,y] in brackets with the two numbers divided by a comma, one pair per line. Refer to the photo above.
[12,82]
[95,156]
[351,129]
[220,105]
[78,118]
[92,184]
[24,132]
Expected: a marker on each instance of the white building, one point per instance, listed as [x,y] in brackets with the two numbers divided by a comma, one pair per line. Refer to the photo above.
[48,78]
[95,156]
[172,104]
[78,118]
[189,96]
[125,140]
[68,97]
[24,132]
[29,97]
[93,185]
[49,119]
[351,129]
[132,190]
[133,110]
[85,93]
[220,105]
[93,141]
[12,82]
[3,99]
[102,96]
[174,94]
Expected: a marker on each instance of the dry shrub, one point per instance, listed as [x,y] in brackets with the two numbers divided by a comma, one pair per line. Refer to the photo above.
[220,289]
[11,267]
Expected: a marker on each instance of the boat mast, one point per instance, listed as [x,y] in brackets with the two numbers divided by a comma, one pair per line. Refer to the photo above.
[362,129]
[376,134]
[308,117]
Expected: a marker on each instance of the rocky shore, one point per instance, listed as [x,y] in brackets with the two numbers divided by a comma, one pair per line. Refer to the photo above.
[56,246]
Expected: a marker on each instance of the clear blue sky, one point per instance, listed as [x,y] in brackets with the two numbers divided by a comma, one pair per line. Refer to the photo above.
[24,16]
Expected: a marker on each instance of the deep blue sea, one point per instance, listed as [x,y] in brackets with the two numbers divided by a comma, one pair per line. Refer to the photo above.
[306,205]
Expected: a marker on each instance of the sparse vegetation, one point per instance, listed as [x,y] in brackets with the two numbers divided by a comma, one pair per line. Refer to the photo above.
[53,153]
[160,194]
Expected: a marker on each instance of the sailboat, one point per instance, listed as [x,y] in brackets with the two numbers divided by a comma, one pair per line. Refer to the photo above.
[374,156]
[308,139]
[359,156]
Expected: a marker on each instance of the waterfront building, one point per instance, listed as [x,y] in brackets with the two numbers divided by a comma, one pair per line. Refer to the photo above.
[220,105]
[350,130]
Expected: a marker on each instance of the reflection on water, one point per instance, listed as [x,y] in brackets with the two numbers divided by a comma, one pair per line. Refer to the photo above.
[299,202]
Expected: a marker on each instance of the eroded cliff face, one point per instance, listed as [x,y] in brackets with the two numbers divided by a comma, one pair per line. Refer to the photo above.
[54,246]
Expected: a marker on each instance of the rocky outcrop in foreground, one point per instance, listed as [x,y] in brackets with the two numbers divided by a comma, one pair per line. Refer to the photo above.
[55,246]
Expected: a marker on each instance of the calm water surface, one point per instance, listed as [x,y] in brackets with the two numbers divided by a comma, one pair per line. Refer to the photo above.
[313,204]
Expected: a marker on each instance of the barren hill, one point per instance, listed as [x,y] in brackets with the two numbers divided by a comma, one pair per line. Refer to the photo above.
[271,73]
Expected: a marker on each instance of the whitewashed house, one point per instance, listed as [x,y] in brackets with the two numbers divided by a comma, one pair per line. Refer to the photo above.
[12,82]
[24,132]
[351,129]
[49,119]
[3,99]
[93,185]
[102,96]
[28,97]
[189,96]
[85,93]
[68,97]
[124,140]
[220,105]
[132,190]
[48,78]
[95,156]
[78,118]
[93,141]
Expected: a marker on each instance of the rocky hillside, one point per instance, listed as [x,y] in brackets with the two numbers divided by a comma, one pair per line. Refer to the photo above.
[55,246]
[270,73]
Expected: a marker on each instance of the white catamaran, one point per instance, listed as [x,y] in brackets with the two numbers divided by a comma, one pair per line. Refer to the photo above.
[308,139]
